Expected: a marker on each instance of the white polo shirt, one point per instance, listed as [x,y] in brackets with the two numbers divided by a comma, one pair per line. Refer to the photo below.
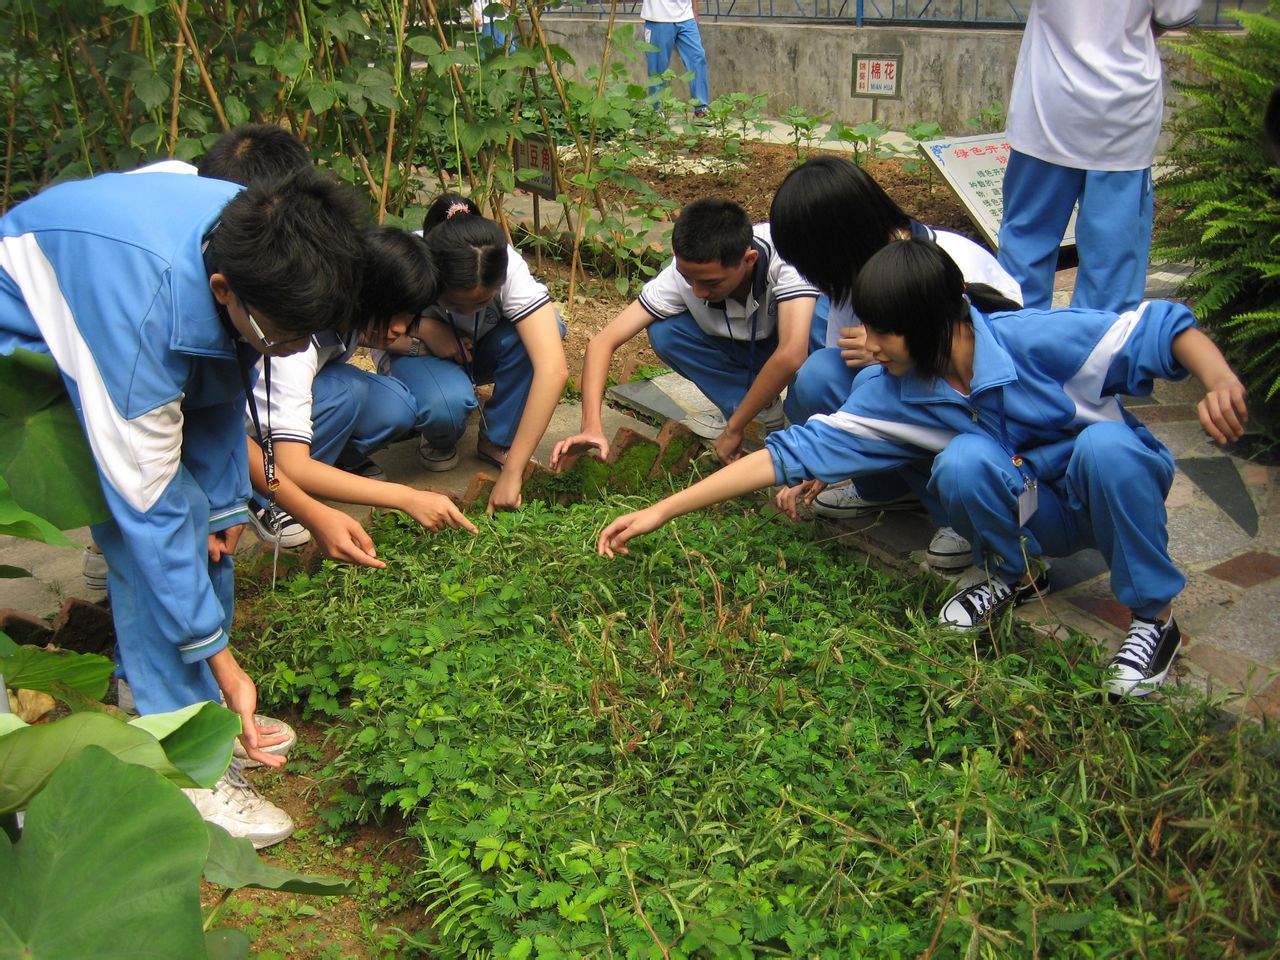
[520,295]
[1087,89]
[668,294]
[289,415]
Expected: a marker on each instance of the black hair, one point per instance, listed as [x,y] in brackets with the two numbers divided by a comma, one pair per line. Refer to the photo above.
[399,276]
[712,230]
[253,151]
[1271,123]
[293,248]
[469,250]
[914,290]
[828,217]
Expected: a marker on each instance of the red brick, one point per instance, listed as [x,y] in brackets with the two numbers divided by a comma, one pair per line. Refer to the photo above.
[480,486]
[624,440]
[1248,569]
[1106,609]
[24,628]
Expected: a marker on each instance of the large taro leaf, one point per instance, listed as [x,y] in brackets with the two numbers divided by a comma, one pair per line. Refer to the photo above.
[32,668]
[30,755]
[44,457]
[197,739]
[17,522]
[234,863]
[108,867]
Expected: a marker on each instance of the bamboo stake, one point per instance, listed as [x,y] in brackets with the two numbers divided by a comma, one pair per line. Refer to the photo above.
[430,8]
[177,88]
[204,73]
[8,149]
[133,48]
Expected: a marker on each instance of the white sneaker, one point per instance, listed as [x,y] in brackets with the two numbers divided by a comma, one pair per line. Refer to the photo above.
[277,526]
[1144,659]
[280,749]
[435,459]
[977,606]
[949,551]
[94,570]
[234,805]
[708,426]
[843,503]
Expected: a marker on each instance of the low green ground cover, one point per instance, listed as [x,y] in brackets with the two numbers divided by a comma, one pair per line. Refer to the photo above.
[737,742]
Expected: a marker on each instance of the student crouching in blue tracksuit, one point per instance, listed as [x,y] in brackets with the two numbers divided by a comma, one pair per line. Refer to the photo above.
[859,218]
[1033,454]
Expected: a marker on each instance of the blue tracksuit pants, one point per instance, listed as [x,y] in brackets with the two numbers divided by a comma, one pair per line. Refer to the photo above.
[353,408]
[161,680]
[1113,231]
[685,37]
[721,368]
[445,395]
[1111,497]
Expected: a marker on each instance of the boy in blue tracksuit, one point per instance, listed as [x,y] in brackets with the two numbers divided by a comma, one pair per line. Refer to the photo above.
[154,295]
[1032,452]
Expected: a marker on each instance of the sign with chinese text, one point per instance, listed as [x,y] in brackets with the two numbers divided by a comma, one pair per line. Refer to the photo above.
[876,74]
[536,154]
[974,169]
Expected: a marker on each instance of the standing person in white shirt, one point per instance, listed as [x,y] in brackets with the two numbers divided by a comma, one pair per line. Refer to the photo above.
[1084,116]
[673,24]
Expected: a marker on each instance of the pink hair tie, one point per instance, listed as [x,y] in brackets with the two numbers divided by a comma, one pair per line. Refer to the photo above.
[458,207]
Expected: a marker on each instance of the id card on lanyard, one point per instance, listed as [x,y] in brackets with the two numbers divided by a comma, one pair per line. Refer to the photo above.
[1029,498]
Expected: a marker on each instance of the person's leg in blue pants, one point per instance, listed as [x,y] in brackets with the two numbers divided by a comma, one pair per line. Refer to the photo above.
[353,408]
[1038,199]
[1112,497]
[663,37]
[154,667]
[721,368]
[443,394]
[689,43]
[821,385]
[1113,237]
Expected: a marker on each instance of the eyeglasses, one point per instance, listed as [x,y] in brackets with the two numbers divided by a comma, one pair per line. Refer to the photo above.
[267,342]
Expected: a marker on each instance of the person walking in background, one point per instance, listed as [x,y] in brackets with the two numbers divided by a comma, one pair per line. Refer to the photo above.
[1084,116]
[673,24]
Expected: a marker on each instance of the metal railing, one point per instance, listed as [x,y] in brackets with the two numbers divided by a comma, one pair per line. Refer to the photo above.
[1213,13]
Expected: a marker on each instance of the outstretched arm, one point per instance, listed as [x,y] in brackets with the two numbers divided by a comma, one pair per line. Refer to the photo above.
[1223,411]
[595,374]
[752,472]
[540,334]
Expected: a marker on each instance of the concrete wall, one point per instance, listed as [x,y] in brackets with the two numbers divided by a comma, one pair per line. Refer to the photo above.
[948,74]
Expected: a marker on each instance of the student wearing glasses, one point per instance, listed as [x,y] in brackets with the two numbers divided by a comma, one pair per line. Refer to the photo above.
[155,295]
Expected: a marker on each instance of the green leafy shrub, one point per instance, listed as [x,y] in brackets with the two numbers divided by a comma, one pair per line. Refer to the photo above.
[734,743]
[1227,194]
